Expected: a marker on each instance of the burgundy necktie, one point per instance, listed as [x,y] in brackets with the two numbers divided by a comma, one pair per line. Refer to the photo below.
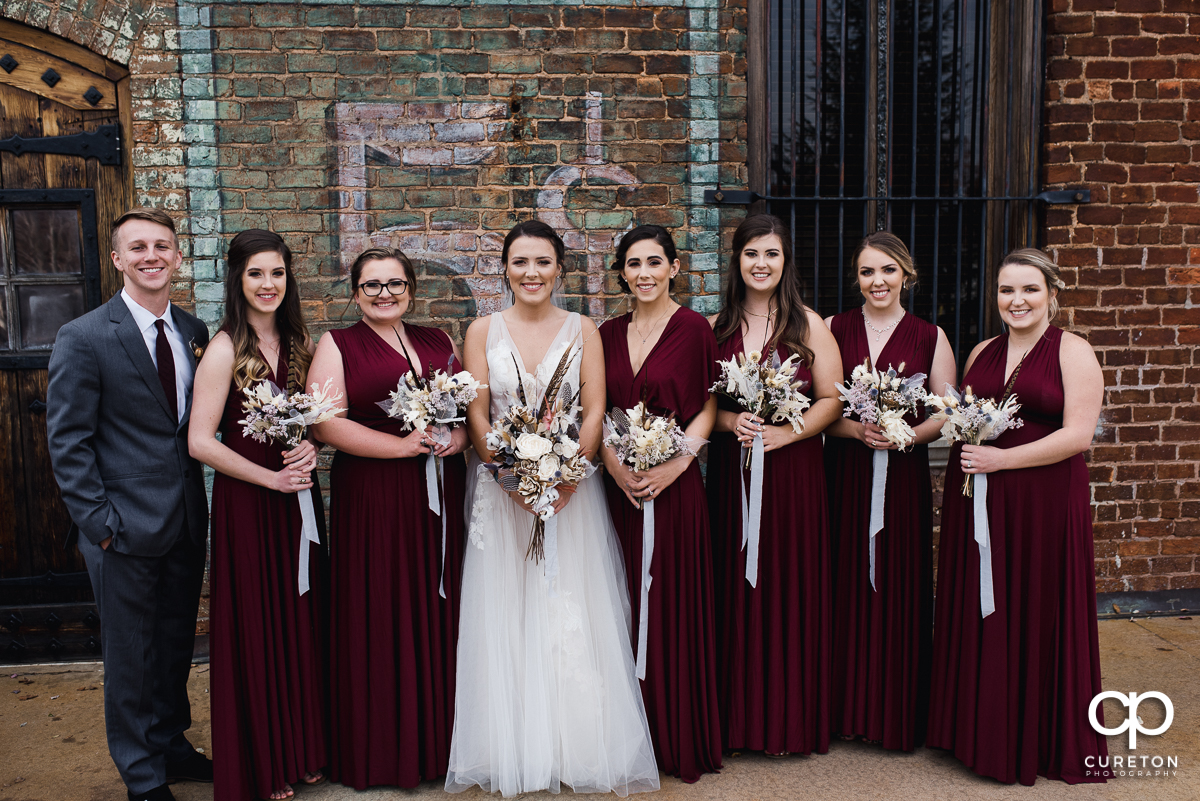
[166,367]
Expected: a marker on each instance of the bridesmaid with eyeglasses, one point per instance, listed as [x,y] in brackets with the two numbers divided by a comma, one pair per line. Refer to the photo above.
[393,636]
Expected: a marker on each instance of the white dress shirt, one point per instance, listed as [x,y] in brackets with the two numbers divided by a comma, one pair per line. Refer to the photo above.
[184,373]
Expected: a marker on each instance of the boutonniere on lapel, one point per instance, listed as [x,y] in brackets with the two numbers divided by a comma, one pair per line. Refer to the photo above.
[197,350]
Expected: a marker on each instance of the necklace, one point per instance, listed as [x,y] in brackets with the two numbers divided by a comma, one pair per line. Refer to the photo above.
[638,328]
[880,332]
[768,315]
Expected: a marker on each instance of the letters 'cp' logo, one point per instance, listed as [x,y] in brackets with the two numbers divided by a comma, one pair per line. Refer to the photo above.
[1132,721]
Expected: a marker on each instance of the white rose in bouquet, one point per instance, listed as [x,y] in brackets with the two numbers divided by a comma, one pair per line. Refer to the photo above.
[548,466]
[566,448]
[532,447]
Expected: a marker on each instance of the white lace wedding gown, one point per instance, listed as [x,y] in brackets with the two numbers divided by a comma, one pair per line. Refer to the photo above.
[545,693]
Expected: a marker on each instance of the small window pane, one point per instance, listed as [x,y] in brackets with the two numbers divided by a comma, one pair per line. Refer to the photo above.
[46,241]
[3,318]
[44,309]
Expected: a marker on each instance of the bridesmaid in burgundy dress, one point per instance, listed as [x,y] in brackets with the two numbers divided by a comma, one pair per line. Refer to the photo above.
[268,641]
[1011,690]
[393,638]
[882,634]
[773,638]
[665,354]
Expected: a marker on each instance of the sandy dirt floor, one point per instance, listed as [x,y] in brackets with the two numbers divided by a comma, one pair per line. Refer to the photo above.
[52,745]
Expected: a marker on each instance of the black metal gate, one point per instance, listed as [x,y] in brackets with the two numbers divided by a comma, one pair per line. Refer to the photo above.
[921,118]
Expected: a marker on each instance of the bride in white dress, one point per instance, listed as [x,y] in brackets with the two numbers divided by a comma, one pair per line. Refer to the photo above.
[545,690]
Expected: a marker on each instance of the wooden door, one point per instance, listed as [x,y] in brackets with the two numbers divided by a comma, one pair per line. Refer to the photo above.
[64,177]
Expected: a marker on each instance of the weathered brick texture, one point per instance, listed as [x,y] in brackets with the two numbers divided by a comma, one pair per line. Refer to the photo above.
[1123,119]
[435,127]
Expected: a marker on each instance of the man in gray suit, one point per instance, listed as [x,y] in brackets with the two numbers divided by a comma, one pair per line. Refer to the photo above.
[118,401]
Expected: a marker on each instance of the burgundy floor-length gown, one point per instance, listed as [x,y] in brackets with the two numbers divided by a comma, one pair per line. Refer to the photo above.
[393,639]
[882,636]
[268,642]
[1010,692]
[773,639]
[680,688]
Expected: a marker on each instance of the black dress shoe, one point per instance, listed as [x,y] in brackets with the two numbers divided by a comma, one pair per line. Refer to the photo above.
[160,793]
[195,768]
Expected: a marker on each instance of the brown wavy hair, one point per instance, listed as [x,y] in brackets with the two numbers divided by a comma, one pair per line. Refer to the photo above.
[891,246]
[791,320]
[248,365]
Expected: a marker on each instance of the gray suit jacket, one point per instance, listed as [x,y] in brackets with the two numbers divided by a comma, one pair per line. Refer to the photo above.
[120,458]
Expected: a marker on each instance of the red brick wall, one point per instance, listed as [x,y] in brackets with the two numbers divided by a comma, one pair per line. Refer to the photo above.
[1123,119]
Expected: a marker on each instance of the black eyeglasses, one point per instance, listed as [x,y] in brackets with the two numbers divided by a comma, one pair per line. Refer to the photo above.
[397,286]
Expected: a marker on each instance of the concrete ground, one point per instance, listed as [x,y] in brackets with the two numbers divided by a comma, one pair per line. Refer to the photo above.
[52,741]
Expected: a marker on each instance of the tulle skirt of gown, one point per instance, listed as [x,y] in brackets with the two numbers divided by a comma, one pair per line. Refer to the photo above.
[546,692]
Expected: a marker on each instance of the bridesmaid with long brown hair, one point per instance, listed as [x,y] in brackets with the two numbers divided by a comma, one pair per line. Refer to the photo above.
[393,637]
[1011,689]
[268,640]
[664,354]
[773,638]
[882,625]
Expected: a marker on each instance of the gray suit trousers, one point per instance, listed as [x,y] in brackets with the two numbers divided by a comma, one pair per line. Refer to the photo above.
[148,605]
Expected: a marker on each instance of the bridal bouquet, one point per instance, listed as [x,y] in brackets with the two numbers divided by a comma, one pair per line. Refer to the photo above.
[767,390]
[974,420]
[271,414]
[432,405]
[536,450]
[884,399]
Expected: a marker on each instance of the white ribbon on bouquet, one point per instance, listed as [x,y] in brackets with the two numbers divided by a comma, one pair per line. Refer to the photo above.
[987,598]
[644,608]
[439,435]
[308,534]
[752,511]
[879,468]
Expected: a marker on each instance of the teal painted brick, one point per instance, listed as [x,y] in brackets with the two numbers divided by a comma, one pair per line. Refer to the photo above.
[507,87]
[359,41]
[298,178]
[512,63]
[484,18]
[277,16]
[430,198]
[453,219]
[404,219]
[453,176]
[453,86]
[299,40]
[498,40]
[533,154]
[285,223]
[390,17]
[270,110]
[362,65]
[244,134]
[400,176]
[330,17]
[433,17]
[450,40]
[260,64]
[428,86]
[241,39]
[464,62]
[413,62]
[403,40]
[261,201]
[608,219]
